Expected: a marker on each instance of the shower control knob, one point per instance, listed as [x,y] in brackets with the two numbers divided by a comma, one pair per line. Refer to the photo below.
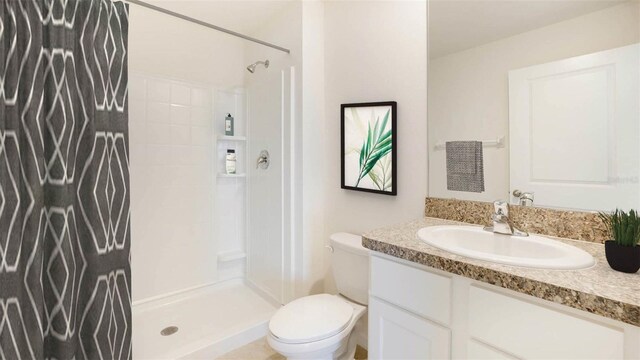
[263,160]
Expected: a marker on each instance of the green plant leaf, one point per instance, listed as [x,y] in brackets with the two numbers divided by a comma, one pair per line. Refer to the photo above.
[376,129]
[384,123]
[376,180]
[623,227]
[384,165]
[362,153]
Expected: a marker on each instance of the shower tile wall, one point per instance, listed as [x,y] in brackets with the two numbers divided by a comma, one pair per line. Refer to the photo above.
[172,180]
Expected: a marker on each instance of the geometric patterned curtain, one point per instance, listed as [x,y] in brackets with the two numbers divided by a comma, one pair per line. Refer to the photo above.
[65,279]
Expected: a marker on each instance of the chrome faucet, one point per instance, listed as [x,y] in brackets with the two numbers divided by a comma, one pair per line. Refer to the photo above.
[501,221]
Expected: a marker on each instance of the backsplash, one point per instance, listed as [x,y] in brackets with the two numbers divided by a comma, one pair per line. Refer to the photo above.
[577,225]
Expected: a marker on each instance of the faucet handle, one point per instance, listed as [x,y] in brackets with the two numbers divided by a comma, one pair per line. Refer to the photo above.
[524,198]
[501,207]
[499,218]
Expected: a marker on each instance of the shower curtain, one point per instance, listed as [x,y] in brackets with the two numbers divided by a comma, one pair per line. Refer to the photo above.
[65,283]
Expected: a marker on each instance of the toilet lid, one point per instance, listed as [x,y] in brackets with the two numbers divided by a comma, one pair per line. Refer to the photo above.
[311,318]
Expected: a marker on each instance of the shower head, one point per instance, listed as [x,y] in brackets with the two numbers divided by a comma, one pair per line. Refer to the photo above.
[252,68]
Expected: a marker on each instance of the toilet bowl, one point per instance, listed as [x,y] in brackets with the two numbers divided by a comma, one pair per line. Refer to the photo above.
[322,326]
[316,327]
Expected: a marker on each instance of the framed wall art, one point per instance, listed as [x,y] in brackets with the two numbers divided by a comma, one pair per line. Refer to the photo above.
[368,147]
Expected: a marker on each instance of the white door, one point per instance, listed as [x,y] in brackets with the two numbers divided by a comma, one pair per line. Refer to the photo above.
[574,130]
[397,334]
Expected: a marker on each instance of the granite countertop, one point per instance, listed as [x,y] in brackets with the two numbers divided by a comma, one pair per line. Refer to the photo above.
[599,289]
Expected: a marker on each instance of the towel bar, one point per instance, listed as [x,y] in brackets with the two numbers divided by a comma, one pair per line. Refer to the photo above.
[498,143]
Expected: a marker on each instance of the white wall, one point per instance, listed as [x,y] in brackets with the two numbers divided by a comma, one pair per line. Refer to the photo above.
[376,51]
[468,90]
[173,67]
[175,48]
[310,250]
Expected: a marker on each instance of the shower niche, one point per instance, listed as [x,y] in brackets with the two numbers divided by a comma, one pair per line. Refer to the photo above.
[231,189]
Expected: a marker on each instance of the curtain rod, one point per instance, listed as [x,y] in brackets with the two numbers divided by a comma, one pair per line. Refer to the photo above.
[206,24]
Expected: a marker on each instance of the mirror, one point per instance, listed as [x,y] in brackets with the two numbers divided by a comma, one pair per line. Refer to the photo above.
[550,88]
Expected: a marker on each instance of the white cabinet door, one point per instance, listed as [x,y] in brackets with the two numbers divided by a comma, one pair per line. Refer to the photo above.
[574,128]
[396,334]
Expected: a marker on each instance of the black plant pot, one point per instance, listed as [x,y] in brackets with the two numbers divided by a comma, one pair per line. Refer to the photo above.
[622,258]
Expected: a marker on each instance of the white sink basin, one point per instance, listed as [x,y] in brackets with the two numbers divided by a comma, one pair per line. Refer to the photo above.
[530,251]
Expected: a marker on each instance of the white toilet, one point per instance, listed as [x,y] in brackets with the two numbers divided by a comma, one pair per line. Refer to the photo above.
[322,326]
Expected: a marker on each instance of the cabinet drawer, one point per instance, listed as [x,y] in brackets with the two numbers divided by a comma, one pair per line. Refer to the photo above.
[416,290]
[530,331]
[398,335]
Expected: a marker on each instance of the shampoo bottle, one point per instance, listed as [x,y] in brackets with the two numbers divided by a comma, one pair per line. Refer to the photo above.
[228,125]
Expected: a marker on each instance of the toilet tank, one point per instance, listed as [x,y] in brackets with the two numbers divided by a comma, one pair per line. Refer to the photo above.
[350,264]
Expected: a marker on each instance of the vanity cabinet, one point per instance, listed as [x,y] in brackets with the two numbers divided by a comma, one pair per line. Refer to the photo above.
[416,312]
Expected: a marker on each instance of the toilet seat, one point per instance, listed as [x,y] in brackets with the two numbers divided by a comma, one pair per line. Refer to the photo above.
[311,318]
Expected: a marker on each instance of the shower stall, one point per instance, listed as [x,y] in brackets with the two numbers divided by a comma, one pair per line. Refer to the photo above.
[211,250]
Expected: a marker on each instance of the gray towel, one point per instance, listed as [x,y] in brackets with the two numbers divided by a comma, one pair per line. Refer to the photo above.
[465,168]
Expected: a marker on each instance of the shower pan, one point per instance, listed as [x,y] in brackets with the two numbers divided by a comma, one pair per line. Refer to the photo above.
[211,251]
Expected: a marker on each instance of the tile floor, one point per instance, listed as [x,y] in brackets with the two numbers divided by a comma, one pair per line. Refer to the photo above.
[260,350]
[257,350]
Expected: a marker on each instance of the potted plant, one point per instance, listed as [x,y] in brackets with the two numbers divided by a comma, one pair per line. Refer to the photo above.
[623,252]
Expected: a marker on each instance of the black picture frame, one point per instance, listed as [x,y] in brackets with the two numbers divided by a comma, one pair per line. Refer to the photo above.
[393,191]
